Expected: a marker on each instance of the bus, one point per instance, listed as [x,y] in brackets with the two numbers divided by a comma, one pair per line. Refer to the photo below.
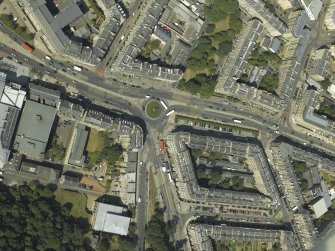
[77,68]
[169,113]
[28,47]
[164,105]
[162,146]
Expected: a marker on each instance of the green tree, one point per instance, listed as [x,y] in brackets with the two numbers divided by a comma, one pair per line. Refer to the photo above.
[31,219]
[325,83]
[210,28]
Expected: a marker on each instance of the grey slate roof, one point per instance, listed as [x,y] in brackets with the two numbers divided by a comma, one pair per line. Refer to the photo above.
[76,156]
[34,129]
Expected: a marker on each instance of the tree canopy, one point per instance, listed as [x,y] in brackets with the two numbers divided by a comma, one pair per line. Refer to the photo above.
[158,232]
[212,46]
[31,219]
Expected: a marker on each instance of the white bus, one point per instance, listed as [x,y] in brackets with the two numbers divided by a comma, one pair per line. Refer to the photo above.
[164,105]
[169,113]
[237,121]
[77,68]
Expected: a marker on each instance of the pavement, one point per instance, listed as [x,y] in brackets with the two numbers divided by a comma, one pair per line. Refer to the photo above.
[125,96]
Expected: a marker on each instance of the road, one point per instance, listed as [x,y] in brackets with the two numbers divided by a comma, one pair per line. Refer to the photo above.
[117,94]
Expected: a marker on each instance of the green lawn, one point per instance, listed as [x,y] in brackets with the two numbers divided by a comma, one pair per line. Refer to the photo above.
[78,201]
[153,109]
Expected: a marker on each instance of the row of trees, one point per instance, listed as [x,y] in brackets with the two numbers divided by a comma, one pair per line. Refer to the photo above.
[110,242]
[197,153]
[264,59]
[211,46]
[213,178]
[31,219]
[300,168]
[21,31]
[158,232]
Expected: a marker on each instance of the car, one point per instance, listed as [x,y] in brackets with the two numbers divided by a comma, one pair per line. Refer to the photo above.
[139,199]
[26,59]
[141,163]
[1,172]
[100,178]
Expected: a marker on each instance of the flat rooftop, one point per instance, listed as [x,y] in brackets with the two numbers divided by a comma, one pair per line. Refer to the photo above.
[34,129]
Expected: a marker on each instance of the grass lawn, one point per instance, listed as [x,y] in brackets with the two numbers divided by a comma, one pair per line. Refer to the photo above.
[153,109]
[152,195]
[78,201]
[328,178]
[222,25]
[95,142]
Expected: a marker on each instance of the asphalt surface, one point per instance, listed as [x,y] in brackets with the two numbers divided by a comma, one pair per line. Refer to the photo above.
[126,97]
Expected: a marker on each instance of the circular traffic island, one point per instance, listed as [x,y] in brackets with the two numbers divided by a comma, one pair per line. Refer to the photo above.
[153,109]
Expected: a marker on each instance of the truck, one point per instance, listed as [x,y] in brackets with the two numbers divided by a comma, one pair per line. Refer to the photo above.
[239,121]
[77,68]
[164,105]
[28,47]
[169,177]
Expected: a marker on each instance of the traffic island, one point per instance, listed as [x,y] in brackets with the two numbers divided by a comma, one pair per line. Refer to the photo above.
[153,109]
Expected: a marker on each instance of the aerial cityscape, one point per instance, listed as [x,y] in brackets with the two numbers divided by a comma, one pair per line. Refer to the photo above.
[167,125]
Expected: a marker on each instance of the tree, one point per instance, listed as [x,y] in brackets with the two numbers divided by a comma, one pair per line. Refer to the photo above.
[325,83]
[225,47]
[56,152]
[31,219]
[156,234]
[237,183]
[210,28]
[104,245]
[269,82]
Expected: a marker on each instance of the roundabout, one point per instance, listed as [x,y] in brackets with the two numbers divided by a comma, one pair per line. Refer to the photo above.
[153,109]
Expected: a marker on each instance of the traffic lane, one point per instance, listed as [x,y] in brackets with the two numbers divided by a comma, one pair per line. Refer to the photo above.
[142,206]
[22,59]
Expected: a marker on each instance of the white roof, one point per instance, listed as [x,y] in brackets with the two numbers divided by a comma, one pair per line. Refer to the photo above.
[108,219]
[131,187]
[131,177]
[116,224]
[321,206]
[131,198]
[13,97]
[315,7]
[331,90]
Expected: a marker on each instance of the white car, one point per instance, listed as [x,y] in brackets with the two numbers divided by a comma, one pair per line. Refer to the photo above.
[139,199]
